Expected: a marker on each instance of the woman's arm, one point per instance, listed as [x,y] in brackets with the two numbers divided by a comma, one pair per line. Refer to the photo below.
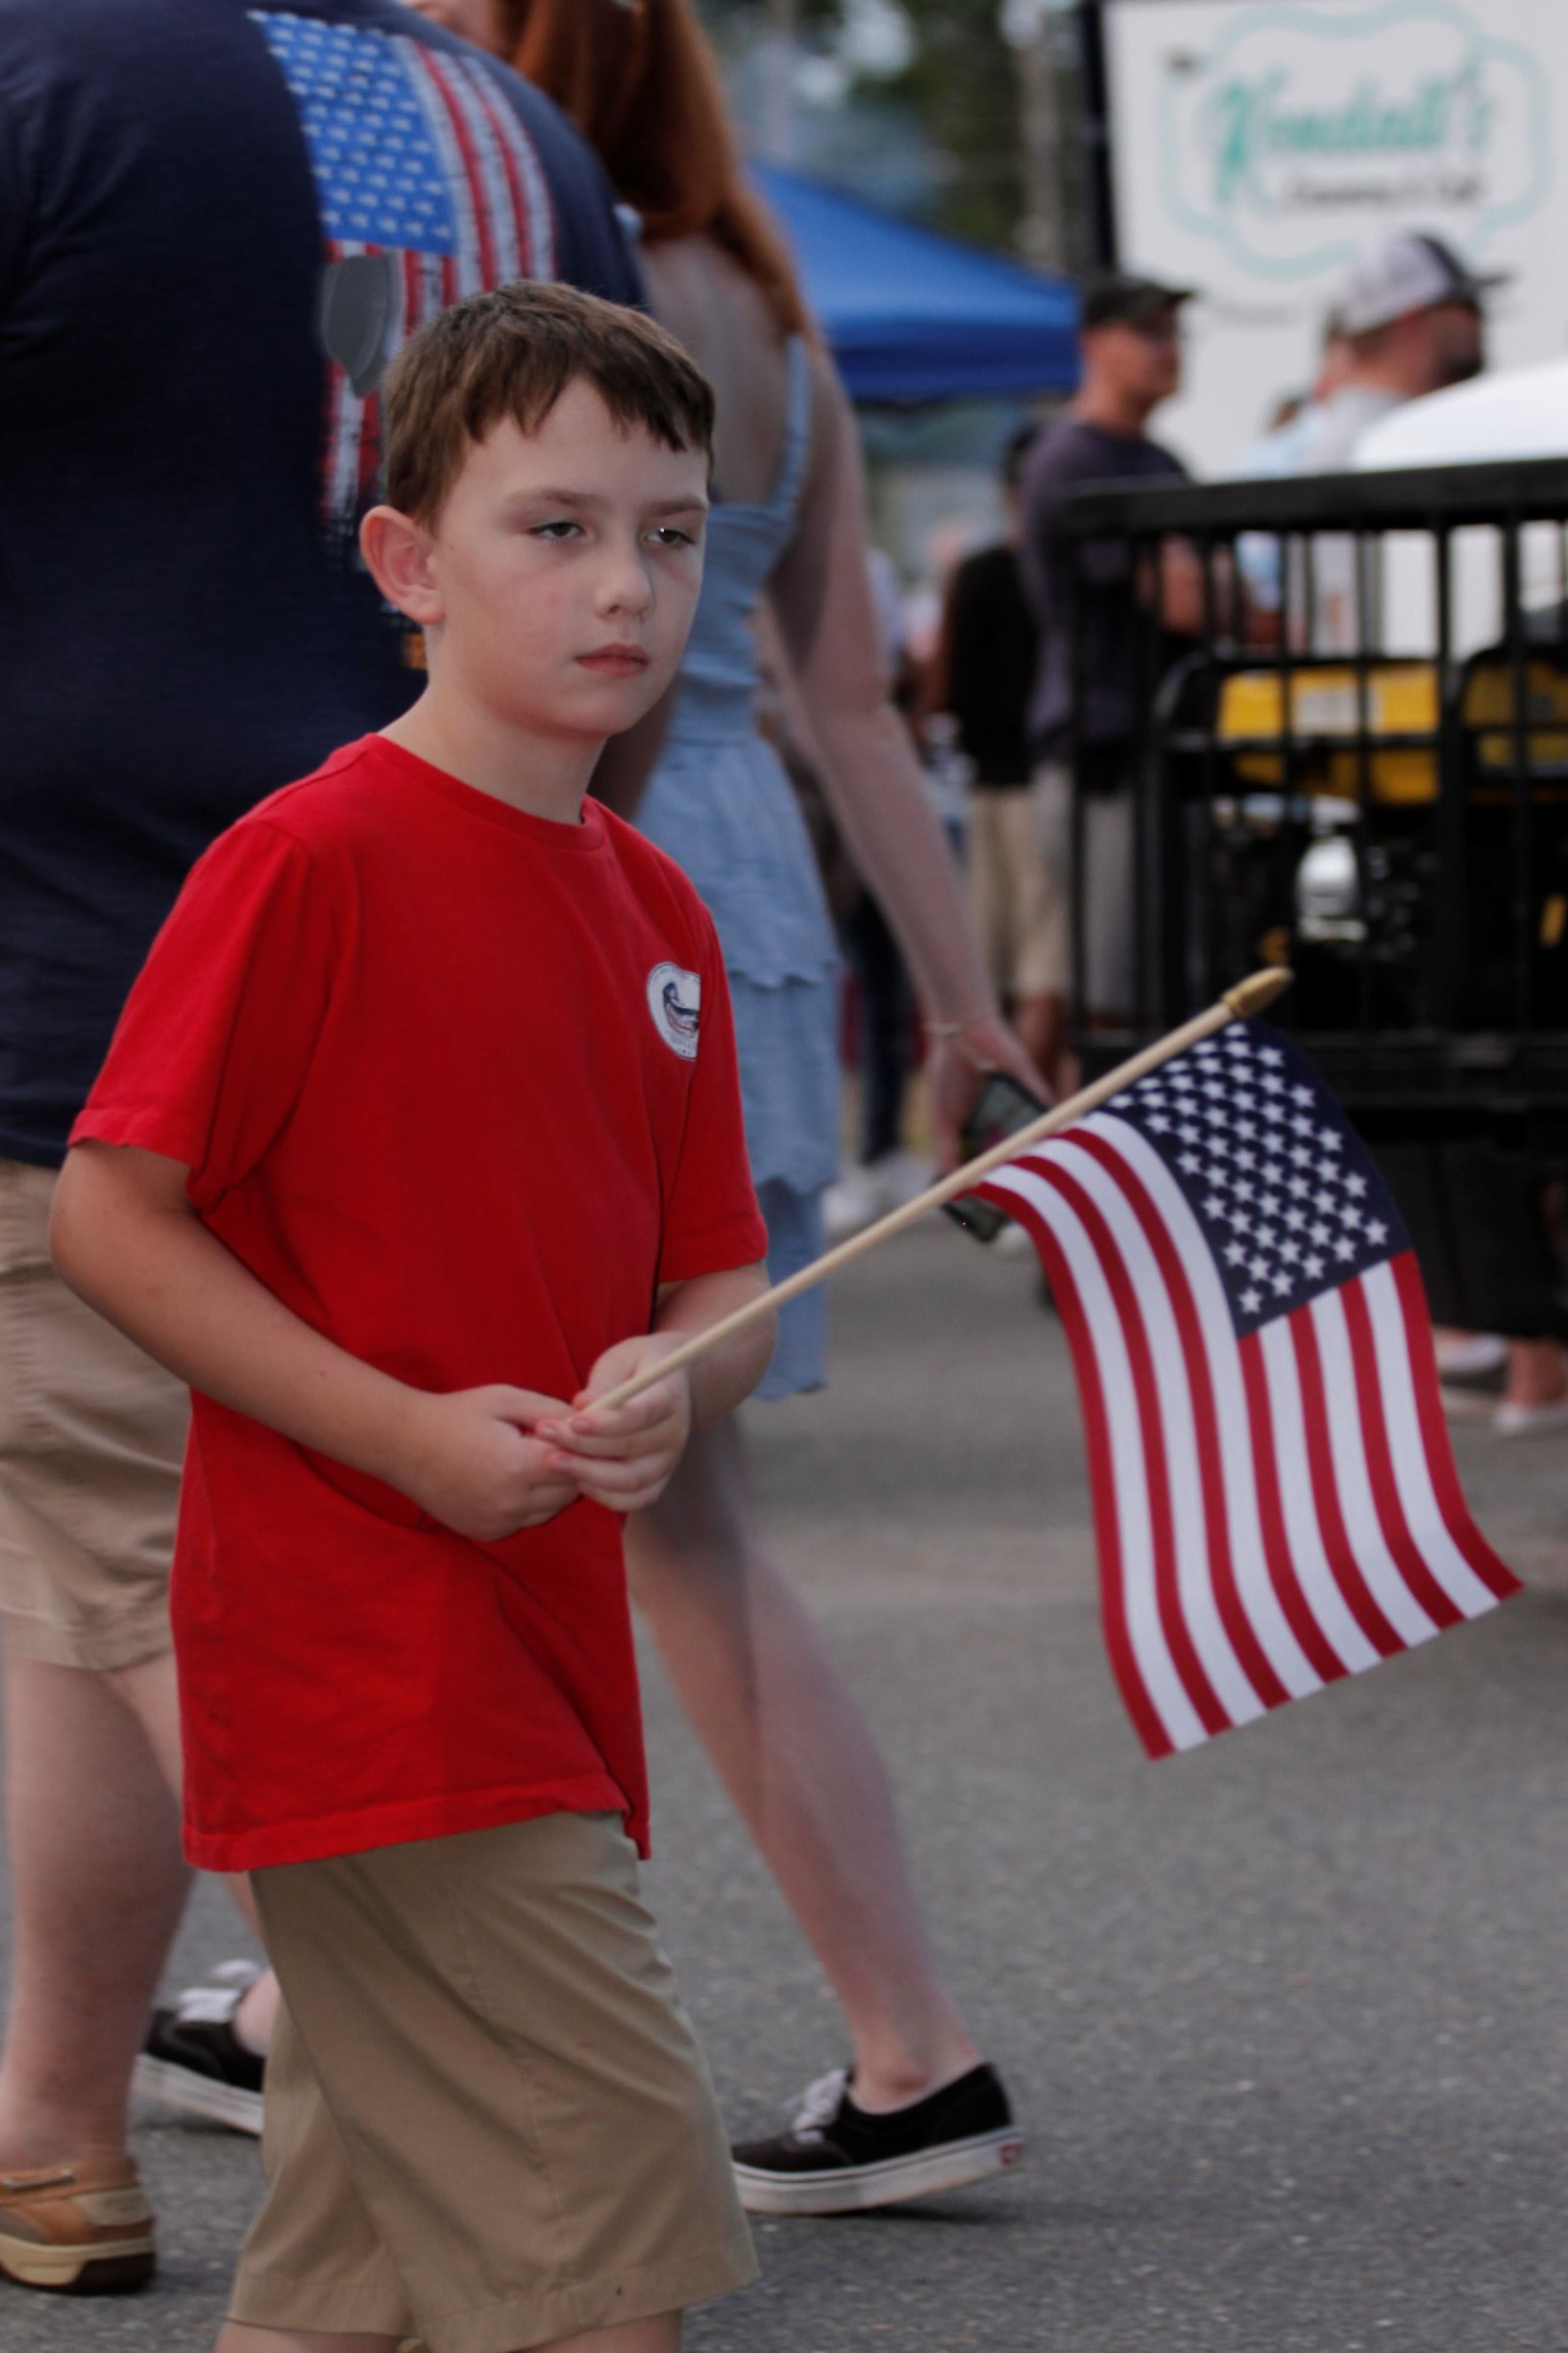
[822,601]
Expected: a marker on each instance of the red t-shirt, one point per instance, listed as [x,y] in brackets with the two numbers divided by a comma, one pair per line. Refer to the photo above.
[459,1085]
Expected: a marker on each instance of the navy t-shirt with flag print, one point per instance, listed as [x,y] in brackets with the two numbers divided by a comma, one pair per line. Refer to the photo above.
[217,224]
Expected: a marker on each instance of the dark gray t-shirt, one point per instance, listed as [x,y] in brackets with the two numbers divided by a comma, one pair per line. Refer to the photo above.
[1066,456]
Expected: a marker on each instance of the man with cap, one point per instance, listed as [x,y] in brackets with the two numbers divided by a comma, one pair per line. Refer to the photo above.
[1412,321]
[1130,338]
[1412,317]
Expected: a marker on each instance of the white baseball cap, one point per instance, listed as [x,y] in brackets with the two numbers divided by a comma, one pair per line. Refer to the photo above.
[1406,273]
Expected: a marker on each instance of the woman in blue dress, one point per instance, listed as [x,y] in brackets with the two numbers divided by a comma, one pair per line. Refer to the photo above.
[749,1664]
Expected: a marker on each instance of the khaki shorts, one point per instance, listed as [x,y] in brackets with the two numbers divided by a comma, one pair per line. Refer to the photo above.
[92,1434]
[1011,888]
[488,2122]
[1110,914]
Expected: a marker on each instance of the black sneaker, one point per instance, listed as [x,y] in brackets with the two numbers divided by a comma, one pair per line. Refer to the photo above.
[835,2159]
[193,2060]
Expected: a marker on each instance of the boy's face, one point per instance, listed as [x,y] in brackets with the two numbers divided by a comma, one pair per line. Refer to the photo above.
[557,584]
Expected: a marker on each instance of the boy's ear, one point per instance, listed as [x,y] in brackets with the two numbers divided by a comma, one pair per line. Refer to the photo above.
[397,551]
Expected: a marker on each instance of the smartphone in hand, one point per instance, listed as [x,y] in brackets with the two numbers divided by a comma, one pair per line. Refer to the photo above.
[1001,1108]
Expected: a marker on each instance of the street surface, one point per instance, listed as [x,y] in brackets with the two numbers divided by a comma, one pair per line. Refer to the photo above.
[1284,2019]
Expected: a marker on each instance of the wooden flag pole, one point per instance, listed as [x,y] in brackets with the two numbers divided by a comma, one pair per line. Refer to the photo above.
[1238,1004]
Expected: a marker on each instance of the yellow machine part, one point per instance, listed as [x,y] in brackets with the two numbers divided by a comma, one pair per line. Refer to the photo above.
[1402,698]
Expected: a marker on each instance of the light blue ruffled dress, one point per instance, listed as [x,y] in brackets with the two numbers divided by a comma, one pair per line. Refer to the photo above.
[722,805]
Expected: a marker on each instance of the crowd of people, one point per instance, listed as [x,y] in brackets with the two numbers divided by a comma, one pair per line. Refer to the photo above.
[419,1014]
[1407,321]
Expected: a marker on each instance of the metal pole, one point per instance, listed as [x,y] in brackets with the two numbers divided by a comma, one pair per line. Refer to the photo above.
[1094,117]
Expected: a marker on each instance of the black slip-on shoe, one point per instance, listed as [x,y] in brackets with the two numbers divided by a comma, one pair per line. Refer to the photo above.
[193,2060]
[837,2159]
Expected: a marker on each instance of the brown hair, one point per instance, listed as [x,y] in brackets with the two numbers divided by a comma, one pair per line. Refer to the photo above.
[642,84]
[512,354]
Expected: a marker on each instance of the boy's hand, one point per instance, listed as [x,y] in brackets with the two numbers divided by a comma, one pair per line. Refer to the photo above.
[469,1459]
[624,1459]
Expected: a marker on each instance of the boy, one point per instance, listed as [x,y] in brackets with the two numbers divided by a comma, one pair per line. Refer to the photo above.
[424,1103]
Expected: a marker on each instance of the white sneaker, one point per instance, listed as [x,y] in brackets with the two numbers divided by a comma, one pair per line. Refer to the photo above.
[1517,1421]
[1469,1352]
[852,1203]
[863,1193]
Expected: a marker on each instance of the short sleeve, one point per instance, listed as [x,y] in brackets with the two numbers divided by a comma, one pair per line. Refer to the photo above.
[1063,468]
[212,1047]
[712,1221]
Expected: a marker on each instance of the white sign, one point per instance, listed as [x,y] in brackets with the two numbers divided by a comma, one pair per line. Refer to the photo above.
[1259,146]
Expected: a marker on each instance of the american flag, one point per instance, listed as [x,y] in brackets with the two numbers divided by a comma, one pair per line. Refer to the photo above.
[429,189]
[1274,1492]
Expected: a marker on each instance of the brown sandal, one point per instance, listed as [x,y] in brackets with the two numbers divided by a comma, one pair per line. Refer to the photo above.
[84,2229]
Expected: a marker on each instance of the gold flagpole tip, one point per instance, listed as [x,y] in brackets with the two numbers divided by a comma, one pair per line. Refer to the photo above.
[1257,991]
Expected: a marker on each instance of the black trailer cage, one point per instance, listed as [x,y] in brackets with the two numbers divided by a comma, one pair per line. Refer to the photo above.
[1380,800]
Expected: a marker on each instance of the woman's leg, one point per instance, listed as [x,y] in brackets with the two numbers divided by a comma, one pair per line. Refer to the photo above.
[1538,1373]
[152,1694]
[776,1717]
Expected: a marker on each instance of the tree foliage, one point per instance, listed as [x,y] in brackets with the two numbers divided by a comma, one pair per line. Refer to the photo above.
[956,106]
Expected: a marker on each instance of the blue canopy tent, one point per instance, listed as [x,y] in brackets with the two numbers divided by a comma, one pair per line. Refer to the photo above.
[914,316]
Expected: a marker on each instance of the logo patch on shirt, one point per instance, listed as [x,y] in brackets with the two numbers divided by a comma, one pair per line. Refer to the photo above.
[675,999]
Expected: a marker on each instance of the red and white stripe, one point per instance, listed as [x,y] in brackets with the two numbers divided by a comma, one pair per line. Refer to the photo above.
[531,202]
[1275,1510]
[513,222]
[431,81]
[505,229]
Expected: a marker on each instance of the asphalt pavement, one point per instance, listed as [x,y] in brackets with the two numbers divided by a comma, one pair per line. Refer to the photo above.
[1284,2019]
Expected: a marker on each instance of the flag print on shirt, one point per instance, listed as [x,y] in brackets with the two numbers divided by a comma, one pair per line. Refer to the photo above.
[1275,1496]
[429,189]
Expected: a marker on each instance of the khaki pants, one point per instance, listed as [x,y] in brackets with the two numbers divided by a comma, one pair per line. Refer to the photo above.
[488,2122]
[1110,909]
[92,1434]
[1011,891]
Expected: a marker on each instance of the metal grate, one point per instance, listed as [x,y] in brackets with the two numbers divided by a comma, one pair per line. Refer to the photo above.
[1379,798]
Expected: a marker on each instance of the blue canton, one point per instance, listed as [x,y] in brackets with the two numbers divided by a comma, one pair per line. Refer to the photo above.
[380,175]
[1290,1199]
